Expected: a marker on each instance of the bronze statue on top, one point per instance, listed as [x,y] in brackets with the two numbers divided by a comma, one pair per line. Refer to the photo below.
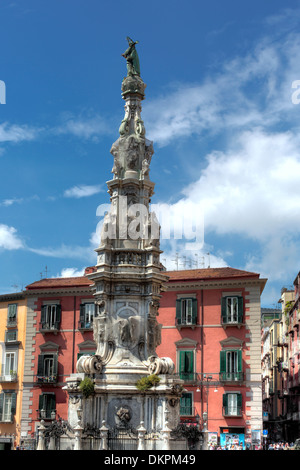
[132,58]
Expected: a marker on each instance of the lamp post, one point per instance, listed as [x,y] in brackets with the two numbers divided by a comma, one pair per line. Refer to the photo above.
[205,382]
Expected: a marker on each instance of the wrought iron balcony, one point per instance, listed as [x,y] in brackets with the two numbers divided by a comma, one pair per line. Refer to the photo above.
[231,376]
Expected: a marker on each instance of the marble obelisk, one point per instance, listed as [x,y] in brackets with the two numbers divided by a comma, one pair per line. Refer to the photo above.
[128,282]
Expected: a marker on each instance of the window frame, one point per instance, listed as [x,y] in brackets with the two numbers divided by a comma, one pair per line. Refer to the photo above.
[12,316]
[228,358]
[4,396]
[50,320]
[47,405]
[86,319]
[43,375]
[227,316]
[189,396]
[186,313]
[229,410]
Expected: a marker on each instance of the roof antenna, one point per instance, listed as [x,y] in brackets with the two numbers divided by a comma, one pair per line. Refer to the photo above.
[208,260]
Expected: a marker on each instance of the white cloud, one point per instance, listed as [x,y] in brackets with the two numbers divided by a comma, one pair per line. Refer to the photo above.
[17,133]
[66,251]
[83,191]
[71,272]
[9,240]
[90,127]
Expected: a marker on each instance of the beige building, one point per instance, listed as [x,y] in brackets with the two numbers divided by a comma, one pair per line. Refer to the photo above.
[12,348]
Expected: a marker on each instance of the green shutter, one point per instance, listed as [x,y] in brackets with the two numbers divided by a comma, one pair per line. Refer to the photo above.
[13,404]
[178,311]
[240,368]
[222,361]
[1,405]
[12,311]
[43,313]
[40,368]
[223,309]
[186,365]
[58,313]
[50,402]
[225,403]
[55,365]
[41,402]
[239,401]
[240,309]
[186,404]
[194,311]
[82,315]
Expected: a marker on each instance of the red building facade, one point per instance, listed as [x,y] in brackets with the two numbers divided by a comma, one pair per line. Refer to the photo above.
[210,329]
[59,329]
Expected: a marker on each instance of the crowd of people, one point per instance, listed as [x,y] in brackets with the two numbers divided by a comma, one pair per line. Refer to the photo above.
[271,446]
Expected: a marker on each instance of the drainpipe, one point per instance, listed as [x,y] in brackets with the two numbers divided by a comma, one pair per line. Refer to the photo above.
[202,348]
[74,325]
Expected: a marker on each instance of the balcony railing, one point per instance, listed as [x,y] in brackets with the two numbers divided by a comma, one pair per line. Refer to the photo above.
[187,411]
[46,379]
[46,414]
[236,412]
[85,325]
[9,378]
[187,376]
[46,327]
[231,376]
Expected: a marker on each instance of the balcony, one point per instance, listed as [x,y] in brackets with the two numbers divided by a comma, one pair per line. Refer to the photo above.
[45,327]
[187,410]
[231,376]
[232,413]
[46,379]
[85,325]
[46,414]
[13,377]
[187,377]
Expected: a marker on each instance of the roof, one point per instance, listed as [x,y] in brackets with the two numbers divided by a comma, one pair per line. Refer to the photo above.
[209,273]
[80,281]
[182,275]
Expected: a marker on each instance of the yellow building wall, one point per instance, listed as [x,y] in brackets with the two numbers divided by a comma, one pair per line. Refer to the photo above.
[7,429]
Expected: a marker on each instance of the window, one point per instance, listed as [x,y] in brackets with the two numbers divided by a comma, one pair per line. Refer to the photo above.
[231,365]
[10,364]
[47,368]
[232,310]
[87,312]
[11,336]
[7,406]
[186,311]
[186,365]
[186,404]
[232,404]
[50,317]
[47,406]
[12,315]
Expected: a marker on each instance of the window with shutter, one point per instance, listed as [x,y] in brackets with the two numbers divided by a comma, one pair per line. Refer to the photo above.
[50,317]
[7,406]
[186,404]
[47,368]
[186,365]
[186,312]
[87,313]
[12,315]
[231,365]
[232,310]
[47,406]
[232,404]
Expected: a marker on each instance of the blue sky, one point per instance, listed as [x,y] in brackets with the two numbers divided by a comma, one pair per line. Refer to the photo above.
[218,108]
